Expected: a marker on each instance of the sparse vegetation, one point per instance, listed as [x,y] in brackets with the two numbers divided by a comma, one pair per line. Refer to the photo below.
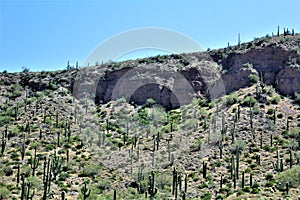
[54,145]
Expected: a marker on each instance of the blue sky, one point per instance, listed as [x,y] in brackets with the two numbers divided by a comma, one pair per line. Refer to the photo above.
[44,35]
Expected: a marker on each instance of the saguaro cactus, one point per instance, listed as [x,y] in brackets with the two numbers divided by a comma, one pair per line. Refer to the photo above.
[34,162]
[115,194]
[25,192]
[85,191]
[23,148]
[56,166]
[18,175]
[3,144]
[152,190]
[174,185]
[47,178]
[291,158]
[251,180]
[204,168]
[243,179]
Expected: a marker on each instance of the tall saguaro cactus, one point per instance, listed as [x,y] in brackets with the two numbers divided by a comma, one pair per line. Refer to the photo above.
[85,191]
[34,162]
[47,178]
[152,190]
[56,166]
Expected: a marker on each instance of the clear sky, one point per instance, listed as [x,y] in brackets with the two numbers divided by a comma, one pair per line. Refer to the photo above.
[44,35]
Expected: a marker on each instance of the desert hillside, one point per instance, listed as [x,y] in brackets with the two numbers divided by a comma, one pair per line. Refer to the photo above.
[71,134]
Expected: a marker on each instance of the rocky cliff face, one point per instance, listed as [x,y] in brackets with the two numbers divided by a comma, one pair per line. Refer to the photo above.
[276,60]
[271,63]
[174,80]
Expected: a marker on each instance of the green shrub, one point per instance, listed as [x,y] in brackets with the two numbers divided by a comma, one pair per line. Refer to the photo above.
[206,196]
[253,165]
[247,189]
[275,100]
[249,101]
[91,170]
[269,176]
[7,171]
[280,115]
[291,176]
[270,111]
[231,99]
[202,185]
[4,120]
[63,176]
[34,181]
[52,86]
[14,91]
[253,79]
[270,183]
[4,192]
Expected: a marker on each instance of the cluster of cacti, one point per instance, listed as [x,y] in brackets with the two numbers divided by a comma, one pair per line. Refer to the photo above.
[53,166]
[278,166]
[25,190]
[56,166]
[177,184]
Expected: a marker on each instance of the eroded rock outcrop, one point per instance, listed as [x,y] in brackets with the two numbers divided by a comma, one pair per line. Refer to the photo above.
[175,79]
[289,80]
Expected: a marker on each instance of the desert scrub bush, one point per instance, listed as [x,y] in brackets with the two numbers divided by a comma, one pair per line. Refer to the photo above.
[270,111]
[49,147]
[4,192]
[14,91]
[143,117]
[212,104]
[294,133]
[52,86]
[26,170]
[249,101]
[280,115]
[5,120]
[163,181]
[291,176]
[117,142]
[256,110]
[253,79]
[275,100]
[14,156]
[14,131]
[63,176]
[90,170]
[34,181]
[202,185]
[7,170]
[206,196]
[231,99]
